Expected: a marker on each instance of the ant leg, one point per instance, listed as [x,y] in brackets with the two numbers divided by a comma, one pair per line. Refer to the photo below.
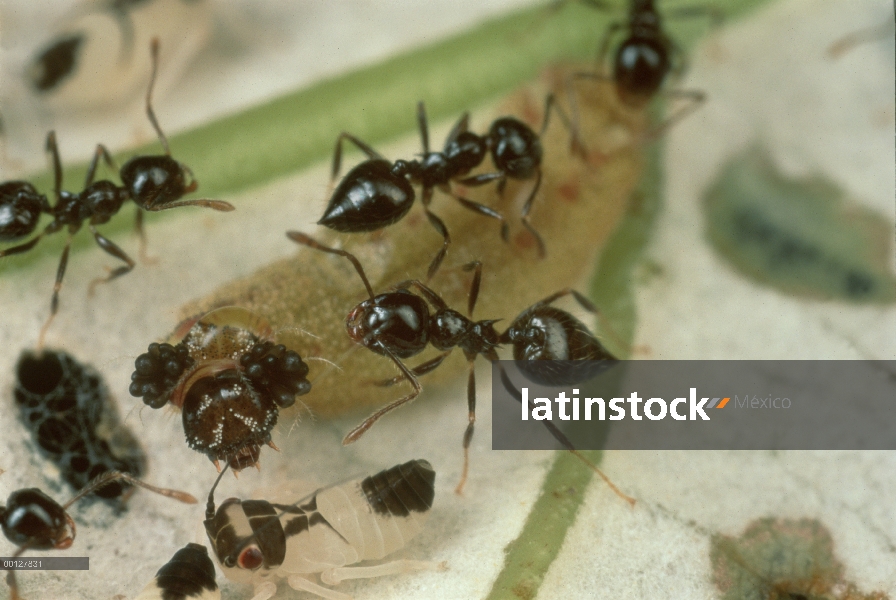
[112,476]
[13,586]
[476,267]
[551,103]
[11,574]
[715,16]
[154,53]
[358,431]
[597,4]
[424,128]
[22,247]
[100,151]
[604,48]
[575,142]
[219,205]
[468,434]
[430,295]
[421,369]
[462,125]
[589,306]
[694,99]
[306,240]
[582,300]
[337,152]
[141,233]
[524,217]
[111,248]
[54,300]
[560,437]
[482,179]
[435,221]
[480,209]
[53,149]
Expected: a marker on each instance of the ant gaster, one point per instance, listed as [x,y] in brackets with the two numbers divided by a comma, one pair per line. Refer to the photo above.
[33,521]
[377,193]
[643,60]
[154,183]
[398,324]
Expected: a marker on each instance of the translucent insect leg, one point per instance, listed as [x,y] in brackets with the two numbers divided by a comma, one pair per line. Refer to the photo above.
[396,567]
[297,582]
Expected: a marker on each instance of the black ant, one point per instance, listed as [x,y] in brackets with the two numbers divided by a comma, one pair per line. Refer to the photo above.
[33,521]
[378,193]
[398,324]
[643,60]
[154,183]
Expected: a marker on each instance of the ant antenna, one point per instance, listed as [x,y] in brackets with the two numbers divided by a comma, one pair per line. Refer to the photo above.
[210,506]
[154,51]
[300,238]
[111,476]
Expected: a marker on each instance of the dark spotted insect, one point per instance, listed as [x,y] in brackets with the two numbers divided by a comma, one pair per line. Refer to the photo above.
[643,61]
[153,183]
[398,324]
[189,575]
[74,420]
[33,521]
[378,193]
[261,542]
[229,378]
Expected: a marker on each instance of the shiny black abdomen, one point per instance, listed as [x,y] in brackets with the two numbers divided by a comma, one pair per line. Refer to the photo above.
[550,345]
[640,68]
[368,198]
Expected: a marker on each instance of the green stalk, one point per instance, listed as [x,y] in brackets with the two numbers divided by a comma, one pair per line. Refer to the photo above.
[377,103]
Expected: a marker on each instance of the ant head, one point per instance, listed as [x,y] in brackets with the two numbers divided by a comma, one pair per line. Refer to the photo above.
[397,321]
[155,181]
[516,149]
[640,67]
[35,520]
[20,209]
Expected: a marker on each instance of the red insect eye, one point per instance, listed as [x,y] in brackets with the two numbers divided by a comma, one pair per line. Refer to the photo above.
[250,558]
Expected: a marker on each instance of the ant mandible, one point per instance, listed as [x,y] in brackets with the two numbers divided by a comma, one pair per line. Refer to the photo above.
[643,60]
[33,521]
[154,183]
[377,193]
[398,324]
